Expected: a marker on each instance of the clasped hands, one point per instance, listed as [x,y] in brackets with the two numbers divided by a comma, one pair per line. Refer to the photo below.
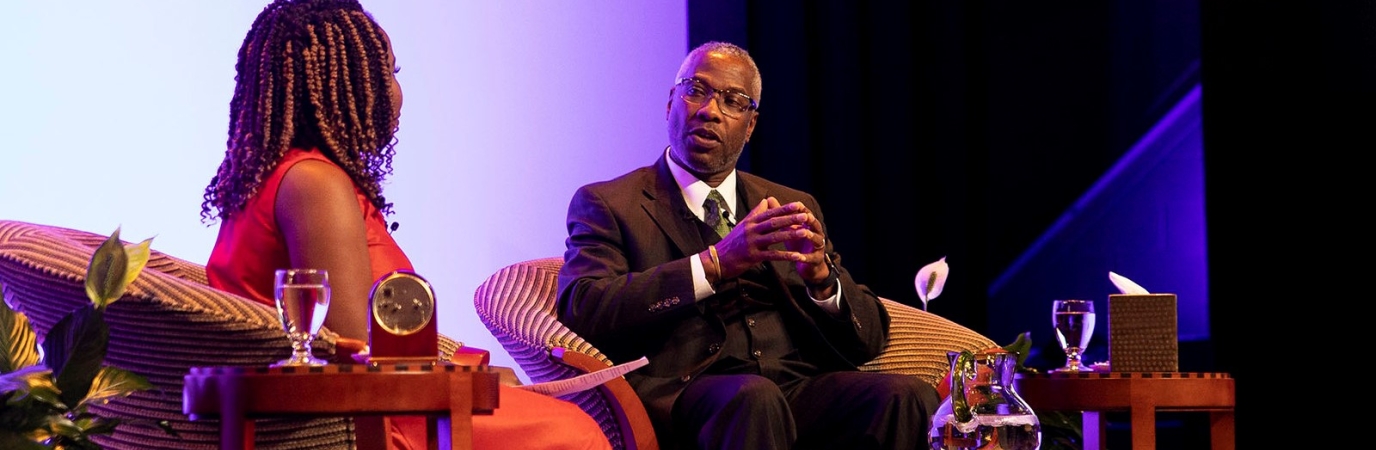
[769,223]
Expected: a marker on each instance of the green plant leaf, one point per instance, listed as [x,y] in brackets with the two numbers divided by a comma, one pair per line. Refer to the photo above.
[27,419]
[75,350]
[138,255]
[18,343]
[32,384]
[115,382]
[106,271]
[1022,346]
[35,388]
[91,424]
[65,431]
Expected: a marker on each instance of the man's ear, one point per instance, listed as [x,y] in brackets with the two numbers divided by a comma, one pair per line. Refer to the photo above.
[750,128]
[669,105]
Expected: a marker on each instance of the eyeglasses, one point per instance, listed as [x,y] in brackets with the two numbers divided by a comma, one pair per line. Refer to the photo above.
[732,103]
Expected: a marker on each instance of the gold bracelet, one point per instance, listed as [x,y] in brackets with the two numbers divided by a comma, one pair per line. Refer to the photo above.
[716,262]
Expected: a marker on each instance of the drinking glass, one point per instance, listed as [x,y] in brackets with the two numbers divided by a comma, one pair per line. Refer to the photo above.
[303,299]
[1074,323]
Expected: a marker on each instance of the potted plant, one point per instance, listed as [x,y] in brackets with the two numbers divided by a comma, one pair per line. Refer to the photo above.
[47,388]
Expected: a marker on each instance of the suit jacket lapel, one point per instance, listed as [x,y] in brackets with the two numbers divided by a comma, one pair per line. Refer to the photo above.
[750,192]
[664,204]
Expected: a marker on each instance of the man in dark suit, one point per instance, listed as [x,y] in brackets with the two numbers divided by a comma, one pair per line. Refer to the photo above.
[727,283]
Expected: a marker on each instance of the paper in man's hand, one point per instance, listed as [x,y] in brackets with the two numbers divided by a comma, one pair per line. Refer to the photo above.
[584,382]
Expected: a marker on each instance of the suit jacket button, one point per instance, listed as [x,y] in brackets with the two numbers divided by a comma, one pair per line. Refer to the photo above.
[713,348]
[685,378]
[757,354]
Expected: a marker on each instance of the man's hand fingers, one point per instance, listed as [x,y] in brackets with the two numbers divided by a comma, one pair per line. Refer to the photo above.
[782,255]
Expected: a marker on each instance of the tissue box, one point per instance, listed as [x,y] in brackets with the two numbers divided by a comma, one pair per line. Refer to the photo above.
[1142,334]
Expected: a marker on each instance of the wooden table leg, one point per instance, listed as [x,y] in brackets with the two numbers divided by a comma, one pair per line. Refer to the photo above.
[236,430]
[460,418]
[1094,428]
[370,433]
[1221,430]
[435,434]
[1144,427]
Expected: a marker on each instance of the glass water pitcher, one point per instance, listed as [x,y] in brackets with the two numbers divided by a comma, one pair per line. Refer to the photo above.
[983,411]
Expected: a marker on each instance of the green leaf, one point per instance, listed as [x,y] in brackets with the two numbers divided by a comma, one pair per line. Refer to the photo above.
[32,384]
[138,255]
[91,424]
[75,349]
[1022,347]
[65,430]
[35,388]
[18,343]
[106,272]
[115,382]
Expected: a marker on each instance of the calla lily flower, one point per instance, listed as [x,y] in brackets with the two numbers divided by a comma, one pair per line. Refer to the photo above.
[930,279]
[1125,285]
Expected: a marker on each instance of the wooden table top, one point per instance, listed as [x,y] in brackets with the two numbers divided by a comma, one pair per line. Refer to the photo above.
[1109,391]
[341,389]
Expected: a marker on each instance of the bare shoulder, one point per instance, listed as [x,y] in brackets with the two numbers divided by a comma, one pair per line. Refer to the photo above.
[315,179]
[314,187]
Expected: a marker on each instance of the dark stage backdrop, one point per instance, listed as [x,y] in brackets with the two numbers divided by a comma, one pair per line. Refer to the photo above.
[1290,115]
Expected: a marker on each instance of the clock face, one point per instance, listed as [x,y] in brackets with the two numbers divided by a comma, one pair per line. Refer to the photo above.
[403,304]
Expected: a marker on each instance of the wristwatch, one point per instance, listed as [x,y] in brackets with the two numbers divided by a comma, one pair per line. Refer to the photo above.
[832,276]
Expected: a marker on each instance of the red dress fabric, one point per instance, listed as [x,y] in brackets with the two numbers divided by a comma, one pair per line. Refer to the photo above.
[250,247]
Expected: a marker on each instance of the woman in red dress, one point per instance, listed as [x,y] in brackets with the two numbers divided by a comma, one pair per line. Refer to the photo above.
[311,135]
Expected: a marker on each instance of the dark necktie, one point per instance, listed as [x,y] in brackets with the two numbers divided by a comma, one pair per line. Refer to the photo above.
[716,214]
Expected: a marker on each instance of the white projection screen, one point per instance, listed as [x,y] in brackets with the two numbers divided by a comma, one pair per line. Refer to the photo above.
[114,114]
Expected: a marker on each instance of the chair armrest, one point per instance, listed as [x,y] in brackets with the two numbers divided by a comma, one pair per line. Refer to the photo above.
[630,412]
[517,304]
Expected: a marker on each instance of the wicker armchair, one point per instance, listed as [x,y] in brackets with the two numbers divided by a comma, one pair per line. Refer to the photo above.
[168,321]
[517,305]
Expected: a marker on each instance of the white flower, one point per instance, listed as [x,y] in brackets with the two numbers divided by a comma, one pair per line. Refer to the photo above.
[930,279]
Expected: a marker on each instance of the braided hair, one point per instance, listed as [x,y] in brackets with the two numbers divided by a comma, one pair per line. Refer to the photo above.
[310,74]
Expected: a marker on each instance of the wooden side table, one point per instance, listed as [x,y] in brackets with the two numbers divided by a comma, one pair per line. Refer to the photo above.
[1142,394]
[448,394]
